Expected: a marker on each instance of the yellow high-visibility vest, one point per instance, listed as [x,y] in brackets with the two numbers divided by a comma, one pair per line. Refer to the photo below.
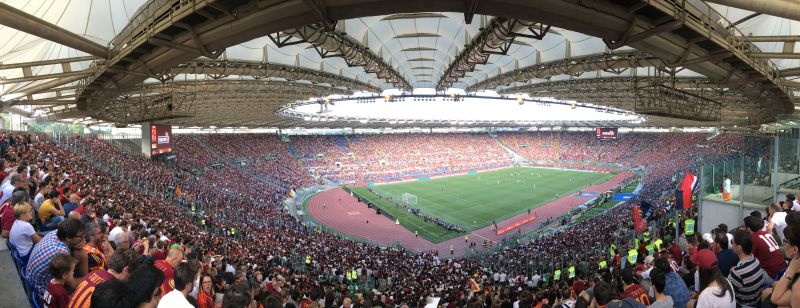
[632,256]
[571,272]
[650,249]
[602,264]
[689,227]
[557,275]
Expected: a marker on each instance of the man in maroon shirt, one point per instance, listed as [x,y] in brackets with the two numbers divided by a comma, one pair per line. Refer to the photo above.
[765,248]
[174,258]
[7,212]
[632,289]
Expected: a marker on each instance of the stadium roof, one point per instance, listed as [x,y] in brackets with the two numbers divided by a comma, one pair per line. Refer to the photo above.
[234,63]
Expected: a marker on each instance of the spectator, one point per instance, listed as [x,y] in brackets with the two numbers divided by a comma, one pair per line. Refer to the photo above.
[72,204]
[786,290]
[747,277]
[121,229]
[632,289]
[658,278]
[7,218]
[61,268]
[167,266]
[777,221]
[239,297]
[145,285]
[726,257]
[17,181]
[205,298]
[51,213]
[96,247]
[41,194]
[113,294]
[22,235]
[715,290]
[674,286]
[122,262]
[68,239]
[765,248]
[184,281]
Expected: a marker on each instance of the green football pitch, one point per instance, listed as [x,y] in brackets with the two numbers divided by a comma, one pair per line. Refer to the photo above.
[473,201]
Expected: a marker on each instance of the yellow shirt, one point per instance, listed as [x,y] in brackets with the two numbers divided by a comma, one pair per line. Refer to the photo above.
[47,210]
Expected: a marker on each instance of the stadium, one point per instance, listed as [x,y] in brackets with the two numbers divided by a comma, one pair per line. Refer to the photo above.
[251,153]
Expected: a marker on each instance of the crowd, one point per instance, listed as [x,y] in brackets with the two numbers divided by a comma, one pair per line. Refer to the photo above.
[371,157]
[130,233]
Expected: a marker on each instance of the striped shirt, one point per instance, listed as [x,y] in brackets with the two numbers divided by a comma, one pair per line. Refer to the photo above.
[747,278]
[39,262]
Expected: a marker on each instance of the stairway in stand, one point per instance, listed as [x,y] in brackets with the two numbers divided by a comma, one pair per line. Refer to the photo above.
[516,157]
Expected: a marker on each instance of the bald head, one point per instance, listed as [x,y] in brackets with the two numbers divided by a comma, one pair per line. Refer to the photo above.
[74,215]
[174,257]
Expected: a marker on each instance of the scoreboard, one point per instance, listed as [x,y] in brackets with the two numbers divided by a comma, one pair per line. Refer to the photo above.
[606,133]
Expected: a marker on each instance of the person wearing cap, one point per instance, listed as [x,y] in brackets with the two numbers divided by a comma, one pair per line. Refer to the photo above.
[726,257]
[747,277]
[765,247]
[715,290]
[632,289]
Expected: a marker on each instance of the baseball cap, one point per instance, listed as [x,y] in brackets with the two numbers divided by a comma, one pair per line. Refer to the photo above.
[704,258]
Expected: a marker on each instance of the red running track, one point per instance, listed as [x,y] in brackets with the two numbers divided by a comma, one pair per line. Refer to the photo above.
[338,210]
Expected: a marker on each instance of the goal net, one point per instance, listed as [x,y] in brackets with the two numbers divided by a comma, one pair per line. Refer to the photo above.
[408,199]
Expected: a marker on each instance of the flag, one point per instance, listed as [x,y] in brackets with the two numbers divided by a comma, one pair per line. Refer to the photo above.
[638,222]
[683,195]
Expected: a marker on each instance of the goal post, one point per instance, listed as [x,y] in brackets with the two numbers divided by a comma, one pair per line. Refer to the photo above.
[408,199]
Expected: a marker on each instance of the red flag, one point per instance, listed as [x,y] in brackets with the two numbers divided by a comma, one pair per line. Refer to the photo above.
[638,222]
[688,185]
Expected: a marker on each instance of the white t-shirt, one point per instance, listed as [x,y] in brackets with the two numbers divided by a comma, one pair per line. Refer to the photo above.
[779,219]
[37,201]
[795,206]
[709,298]
[535,280]
[726,185]
[20,236]
[174,299]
